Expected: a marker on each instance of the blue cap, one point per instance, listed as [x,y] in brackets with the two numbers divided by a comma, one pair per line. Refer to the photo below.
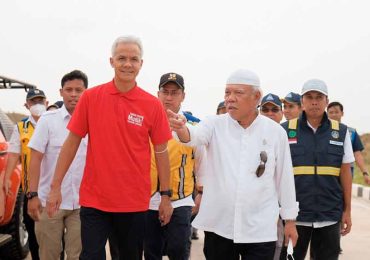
[31,94]
[221,105]
[292,98]
[271,98]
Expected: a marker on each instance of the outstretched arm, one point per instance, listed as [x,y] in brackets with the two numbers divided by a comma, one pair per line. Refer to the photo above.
[178,124]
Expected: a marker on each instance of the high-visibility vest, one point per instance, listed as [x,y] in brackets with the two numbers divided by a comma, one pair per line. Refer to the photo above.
[317,160]
[181,170]
[26,130]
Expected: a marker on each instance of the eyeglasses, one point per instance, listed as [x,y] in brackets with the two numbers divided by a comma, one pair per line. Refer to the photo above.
[273,110]
[174,93]
[261,168]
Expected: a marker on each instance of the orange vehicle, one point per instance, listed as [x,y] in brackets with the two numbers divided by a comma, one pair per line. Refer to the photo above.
[13,233]
[8,201]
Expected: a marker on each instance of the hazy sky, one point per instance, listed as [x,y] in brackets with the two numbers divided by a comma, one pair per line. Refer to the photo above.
[285,42]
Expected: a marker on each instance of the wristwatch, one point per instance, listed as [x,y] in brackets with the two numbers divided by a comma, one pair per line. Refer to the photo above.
[166,192]
[31,194]
[365,174]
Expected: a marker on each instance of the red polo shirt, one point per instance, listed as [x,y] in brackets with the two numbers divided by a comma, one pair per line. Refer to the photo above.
[119,125]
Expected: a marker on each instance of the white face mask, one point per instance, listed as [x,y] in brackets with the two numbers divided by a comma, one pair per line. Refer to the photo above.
[37,110]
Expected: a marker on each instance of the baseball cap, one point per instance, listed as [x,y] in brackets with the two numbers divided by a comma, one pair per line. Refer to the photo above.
[221,105]
[271,98]
[35,93]
[172,77]
[59,103]
[244,77]
[315,85]
[292,98]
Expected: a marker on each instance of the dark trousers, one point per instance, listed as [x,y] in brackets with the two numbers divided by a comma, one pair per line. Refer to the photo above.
[172,240]
[113,246]
[30,227]
[217,247]
[324,243]
[97,225]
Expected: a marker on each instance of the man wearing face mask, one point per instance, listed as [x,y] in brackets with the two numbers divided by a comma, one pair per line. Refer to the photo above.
[36,103]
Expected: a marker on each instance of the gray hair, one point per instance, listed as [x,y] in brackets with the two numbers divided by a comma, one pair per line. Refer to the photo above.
[257,89]
[128,39]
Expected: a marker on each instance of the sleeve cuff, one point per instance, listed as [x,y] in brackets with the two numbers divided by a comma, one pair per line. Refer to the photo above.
[289,213]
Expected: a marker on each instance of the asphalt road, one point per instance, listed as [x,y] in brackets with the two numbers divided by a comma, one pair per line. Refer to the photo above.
[355,245]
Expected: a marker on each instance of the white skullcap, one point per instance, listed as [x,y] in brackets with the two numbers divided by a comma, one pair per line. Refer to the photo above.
[315,85]
[244,77]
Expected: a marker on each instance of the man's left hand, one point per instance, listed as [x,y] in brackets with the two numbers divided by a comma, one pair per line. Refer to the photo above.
[54,201]
[290,232]
[165,210]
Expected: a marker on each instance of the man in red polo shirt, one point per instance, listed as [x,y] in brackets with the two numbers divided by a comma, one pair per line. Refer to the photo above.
[120,119]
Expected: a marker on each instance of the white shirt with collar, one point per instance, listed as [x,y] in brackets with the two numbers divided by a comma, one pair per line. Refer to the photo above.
[236,204]
[14,142]
[48,139]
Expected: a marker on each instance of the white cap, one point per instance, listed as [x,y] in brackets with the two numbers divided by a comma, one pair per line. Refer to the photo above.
[315,85]
[244,77]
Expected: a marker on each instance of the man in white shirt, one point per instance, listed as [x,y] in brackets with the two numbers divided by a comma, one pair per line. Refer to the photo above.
[321,155]
[249,173]
[45,146]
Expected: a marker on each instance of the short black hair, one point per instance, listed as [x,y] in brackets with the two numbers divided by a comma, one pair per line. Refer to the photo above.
[76,74]
[334,104]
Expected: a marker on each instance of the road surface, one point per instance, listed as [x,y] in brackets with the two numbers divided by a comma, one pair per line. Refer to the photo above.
[356,245]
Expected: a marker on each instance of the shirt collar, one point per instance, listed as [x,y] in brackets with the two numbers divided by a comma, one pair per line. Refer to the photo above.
[235,122]
[64,112]
[112,89]
[325,122]
[32,120]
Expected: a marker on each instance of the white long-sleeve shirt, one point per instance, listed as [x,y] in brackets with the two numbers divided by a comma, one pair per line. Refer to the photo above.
[236,204]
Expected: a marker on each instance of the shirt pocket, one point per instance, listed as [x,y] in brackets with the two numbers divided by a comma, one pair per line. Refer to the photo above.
[55,144]
[267,167]
[335,154]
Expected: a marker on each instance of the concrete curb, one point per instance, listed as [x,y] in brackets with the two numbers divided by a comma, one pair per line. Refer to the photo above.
[361,191]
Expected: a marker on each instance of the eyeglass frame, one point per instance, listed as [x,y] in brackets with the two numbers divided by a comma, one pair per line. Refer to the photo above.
[273,110]
[172,93]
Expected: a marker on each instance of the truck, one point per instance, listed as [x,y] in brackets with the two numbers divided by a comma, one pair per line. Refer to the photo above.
[13,233]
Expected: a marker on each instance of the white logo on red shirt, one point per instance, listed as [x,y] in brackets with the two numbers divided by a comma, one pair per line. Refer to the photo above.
[135,119]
